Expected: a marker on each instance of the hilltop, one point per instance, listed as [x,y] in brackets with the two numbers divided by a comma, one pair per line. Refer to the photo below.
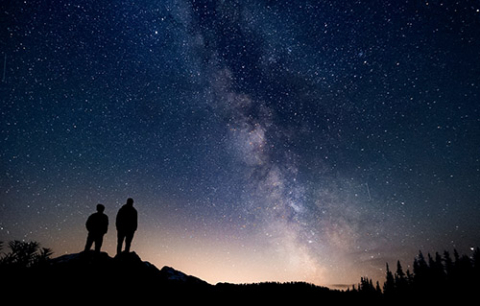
[98,277]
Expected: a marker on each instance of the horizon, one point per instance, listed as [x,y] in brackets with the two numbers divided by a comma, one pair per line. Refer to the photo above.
[301,140]
[409,272]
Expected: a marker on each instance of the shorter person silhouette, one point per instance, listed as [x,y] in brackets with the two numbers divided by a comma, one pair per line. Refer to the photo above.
[126,223]
[97,226]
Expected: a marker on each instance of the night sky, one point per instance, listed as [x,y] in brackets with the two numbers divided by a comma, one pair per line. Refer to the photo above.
[261,140]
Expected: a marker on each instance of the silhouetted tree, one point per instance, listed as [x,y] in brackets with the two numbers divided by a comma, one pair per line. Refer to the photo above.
[464,272]
[449,270]
[436,267]
[366,290]
[420,272]
[43,256]
[401,283]
[438,277]
[420,266]
[389,285]
[476,263]
[25,254]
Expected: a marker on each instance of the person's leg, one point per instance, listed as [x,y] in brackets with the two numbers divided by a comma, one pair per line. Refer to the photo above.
[98,243]
[128,241]
[120,238]
[89,243]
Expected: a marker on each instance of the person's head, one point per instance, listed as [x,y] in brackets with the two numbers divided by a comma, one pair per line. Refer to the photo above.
[100,208]
[130,202]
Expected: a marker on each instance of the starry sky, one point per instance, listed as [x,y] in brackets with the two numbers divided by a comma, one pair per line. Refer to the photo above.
[261,140]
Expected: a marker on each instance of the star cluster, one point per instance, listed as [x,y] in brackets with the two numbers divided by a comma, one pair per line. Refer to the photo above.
[261,140]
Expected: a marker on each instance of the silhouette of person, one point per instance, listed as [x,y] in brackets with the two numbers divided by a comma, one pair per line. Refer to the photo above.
[97,226]
[126,223]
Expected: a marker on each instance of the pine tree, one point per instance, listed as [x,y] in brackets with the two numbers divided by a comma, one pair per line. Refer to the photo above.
[377,289]
[448,265]
[401,283]
[438,279]
[420,268]
[409,278]
[389,285]
[476,260]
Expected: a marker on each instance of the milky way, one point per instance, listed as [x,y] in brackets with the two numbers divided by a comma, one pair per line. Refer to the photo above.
[261,140]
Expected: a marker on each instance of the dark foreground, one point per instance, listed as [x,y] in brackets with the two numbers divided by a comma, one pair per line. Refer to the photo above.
[101,279]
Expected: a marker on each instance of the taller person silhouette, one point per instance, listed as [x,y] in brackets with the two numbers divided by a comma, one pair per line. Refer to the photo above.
[126,223]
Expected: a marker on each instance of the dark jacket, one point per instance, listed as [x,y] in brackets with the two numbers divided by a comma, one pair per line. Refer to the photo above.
[97,223]
[127,219]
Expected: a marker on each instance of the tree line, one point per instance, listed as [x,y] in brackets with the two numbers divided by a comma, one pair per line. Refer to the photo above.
[438,276]
[24,255]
